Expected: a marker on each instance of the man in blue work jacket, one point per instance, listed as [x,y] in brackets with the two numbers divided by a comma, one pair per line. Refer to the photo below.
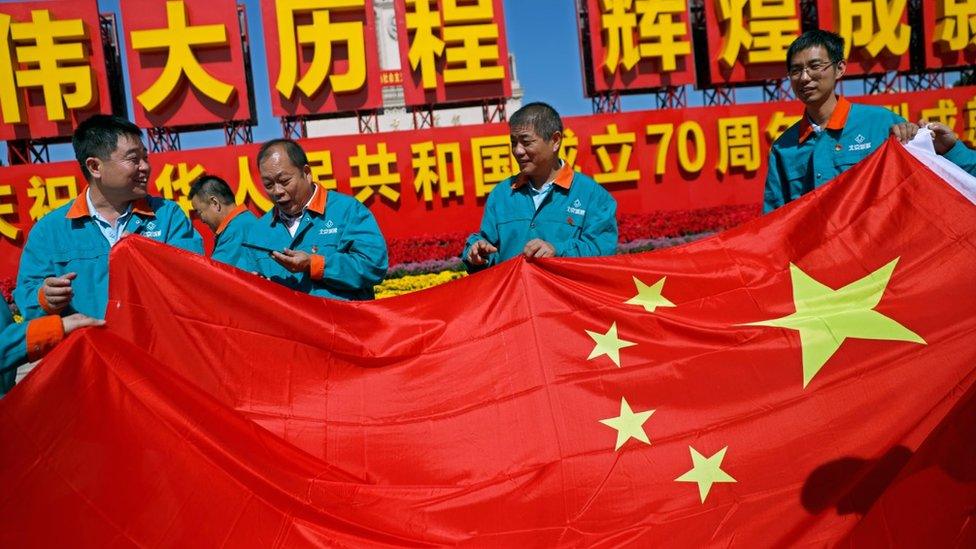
[24,342]
[215,204]
[832,135]
[316,241]
[64,265]
[548,209]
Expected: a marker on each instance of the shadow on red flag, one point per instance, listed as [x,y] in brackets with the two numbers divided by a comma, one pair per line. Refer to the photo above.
[806,378]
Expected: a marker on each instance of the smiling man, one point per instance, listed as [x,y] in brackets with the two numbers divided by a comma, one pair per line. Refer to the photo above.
[64,265]
[833,133]
[320,242]
[547,209]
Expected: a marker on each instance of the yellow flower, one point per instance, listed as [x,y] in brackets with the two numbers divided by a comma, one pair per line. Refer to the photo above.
[412,283]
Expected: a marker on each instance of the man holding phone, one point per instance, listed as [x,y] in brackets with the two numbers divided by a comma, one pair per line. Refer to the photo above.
[316,241]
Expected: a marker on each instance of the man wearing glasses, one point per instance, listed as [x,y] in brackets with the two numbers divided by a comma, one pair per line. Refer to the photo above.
[833,133]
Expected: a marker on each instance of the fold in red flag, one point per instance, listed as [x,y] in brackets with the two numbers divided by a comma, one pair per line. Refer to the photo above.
[807,378]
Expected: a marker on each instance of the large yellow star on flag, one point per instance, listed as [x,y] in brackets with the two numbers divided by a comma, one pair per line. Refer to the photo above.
[706,471]
[629,424]
[608,344]
[649,297]
[826,317]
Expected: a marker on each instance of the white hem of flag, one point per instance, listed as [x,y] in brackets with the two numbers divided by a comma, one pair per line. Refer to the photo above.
[922,148]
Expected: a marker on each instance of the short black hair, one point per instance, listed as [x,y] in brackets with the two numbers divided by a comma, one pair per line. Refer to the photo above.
[541,117]
[833,43]
[210,185]
[294,151]
[98,136]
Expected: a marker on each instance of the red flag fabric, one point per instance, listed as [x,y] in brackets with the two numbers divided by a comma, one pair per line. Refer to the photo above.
[804,379]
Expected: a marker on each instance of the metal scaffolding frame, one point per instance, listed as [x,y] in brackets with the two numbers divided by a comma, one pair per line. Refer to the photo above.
[423,117]
[671,97]
[163,139]
[238,131]
[777,90]
[493,110]
[368,121]
[293,127]
[27,151]
[719,95]
[606,102]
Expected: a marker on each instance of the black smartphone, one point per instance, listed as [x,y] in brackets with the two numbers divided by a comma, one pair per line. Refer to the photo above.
[258,248]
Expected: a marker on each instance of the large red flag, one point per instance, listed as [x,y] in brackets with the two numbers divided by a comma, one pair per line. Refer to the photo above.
[806,378]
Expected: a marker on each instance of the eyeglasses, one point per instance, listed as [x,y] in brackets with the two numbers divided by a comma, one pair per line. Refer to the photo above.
[815,70]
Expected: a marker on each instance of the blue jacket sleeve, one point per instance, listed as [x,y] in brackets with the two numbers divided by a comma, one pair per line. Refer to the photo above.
[963,156]
[35,266]
[599,234]
[180,233]
[228,248]
[13,346]
[488,231]
[360,261]
[773,196]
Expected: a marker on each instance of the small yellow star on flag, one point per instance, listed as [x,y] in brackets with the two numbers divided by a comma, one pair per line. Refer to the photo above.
[608,344]
[706,471]
[649,297]
[628,424]
[826,317]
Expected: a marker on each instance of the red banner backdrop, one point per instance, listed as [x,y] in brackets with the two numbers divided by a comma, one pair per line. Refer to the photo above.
[452,52]
[950,32]
[322,56]
[52,68]
[186,63]
[639,45]
[435,181]
[807,379]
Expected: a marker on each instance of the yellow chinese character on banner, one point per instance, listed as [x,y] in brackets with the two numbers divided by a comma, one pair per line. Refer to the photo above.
[901,109]
[659,34]
[779,123]
[493,162]
[246,189]
[618,20]
[7,208]
[471,42]
[51,56]
[50,193]
[738,143]
[174,183]
[610,171]
[956,27]
[178,40]
[874,25]
[440,166]
[771,28]
[365,179]
[569,148]
[320,163]
[324,36]
[971,122]
[425,46]
[945,112]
